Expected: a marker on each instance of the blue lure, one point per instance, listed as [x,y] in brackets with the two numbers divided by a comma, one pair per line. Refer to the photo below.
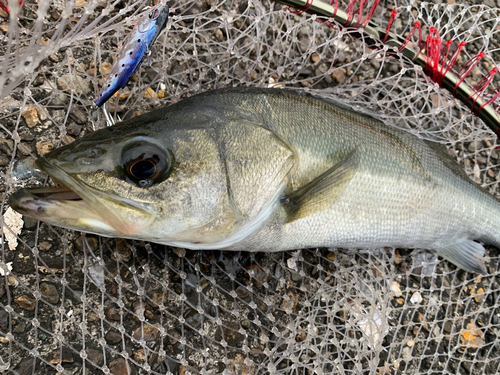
[133,52]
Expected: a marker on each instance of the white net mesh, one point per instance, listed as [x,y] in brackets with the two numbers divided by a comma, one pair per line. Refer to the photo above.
[79,304]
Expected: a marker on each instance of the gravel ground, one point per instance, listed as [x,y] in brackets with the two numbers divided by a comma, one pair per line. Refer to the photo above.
[79,304]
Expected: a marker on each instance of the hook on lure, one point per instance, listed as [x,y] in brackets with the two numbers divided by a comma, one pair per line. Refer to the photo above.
[135,48]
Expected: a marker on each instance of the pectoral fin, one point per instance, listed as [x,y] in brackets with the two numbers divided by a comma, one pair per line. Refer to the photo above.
[467,255]
[320,193]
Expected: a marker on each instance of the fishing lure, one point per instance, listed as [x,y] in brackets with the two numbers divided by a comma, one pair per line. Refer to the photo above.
[134,50]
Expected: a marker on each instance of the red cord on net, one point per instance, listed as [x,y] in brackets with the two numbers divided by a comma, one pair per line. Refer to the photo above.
[479,89]
[433,52]
[392,18]
[466,69]
[445,67]
[494,97]
[361,22]
[302,9]
[436,65]
[410,34]
[368,16]
[5,6]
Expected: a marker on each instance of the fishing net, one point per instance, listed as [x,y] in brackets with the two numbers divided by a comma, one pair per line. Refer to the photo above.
[72,303]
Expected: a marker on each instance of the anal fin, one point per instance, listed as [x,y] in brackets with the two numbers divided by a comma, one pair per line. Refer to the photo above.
[320,193]
[467,255]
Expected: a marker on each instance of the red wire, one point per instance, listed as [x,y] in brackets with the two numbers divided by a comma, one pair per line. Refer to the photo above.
[303,9]
[449,66]
[481,87]
[466,69]
[368,16]
[433,52]
[394,13]
[4,6]
[410,34]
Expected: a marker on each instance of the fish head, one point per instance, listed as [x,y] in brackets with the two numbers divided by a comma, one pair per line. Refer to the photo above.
[163,178]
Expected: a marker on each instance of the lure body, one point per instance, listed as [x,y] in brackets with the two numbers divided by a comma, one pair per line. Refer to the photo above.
[134,50]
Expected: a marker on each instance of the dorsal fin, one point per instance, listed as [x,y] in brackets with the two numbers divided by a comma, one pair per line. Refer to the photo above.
[320,193]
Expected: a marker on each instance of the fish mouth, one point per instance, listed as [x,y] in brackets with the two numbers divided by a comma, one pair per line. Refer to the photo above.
[76,205]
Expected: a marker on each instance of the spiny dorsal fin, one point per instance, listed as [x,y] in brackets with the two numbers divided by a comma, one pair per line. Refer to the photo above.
[320,193]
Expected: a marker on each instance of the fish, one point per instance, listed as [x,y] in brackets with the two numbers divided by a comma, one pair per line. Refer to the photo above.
[267,170]
[133,51]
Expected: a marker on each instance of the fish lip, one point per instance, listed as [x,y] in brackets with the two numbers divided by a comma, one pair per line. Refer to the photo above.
[27,201]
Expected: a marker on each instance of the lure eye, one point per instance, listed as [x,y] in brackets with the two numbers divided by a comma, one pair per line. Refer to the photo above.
[153,14]
[146,163]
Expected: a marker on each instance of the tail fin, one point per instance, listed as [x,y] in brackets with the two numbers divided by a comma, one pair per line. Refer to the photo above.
[467,255]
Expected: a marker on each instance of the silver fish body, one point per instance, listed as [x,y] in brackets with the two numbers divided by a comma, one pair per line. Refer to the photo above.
[133,51]
[266,170]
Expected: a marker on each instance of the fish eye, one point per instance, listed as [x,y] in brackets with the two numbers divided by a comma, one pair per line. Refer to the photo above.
[154,14]
[145,163]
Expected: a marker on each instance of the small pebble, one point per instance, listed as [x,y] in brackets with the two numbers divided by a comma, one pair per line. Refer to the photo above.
[4,160]
[26,303]
[19,327]
[39,80]
[6,146]
[4,318]
[80,3]
[24,149]
[375,64]
[338,76]
[26,168]
[416,297]
[396,289]
[119,367]
[148,333]
[315,57]
[54,57]
[44,147]
[113,337]
[4,26]
[67,139]
[92,317]
[479,297]
[406,353]
[33,116]
[238,366]
[14,221]
[87,242]
[179,251]
[112,312]
[78,115]
[26,135]
[49,292]
[25,367]
[139,356]
[70,82]
[57,357]
[122,251]
[159,298]
[95,356]
[219,35]
[74,129]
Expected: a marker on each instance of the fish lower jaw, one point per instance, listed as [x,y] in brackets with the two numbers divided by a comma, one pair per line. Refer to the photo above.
[62,207]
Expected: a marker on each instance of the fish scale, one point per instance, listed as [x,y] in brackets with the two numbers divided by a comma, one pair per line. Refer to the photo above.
[269,170]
